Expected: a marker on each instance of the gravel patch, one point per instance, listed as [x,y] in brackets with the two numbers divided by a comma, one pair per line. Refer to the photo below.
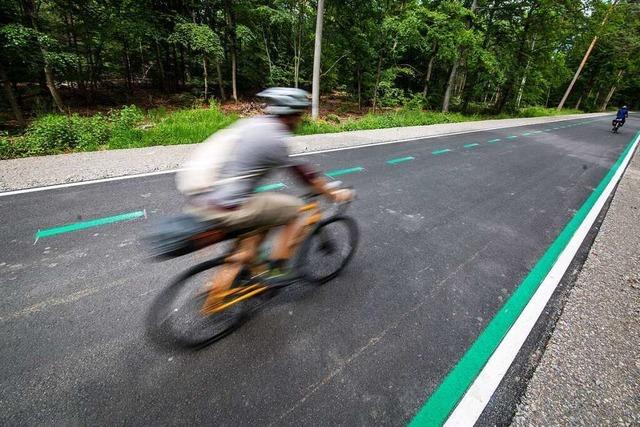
[65,168]
[589,373]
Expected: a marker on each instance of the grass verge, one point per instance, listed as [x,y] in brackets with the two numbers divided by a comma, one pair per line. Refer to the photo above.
[129,127]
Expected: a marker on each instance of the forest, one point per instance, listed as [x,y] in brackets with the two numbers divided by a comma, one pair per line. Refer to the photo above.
[132,62]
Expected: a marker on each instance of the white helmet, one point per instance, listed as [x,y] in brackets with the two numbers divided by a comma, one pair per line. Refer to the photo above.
[282,101]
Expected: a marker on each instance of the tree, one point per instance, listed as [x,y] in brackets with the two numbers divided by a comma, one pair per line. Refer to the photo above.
[317,54]
[201,40]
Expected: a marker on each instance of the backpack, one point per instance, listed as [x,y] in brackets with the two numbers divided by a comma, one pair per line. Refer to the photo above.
[201,172]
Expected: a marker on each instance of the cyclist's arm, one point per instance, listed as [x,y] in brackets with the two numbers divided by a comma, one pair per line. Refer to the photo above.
[316,181]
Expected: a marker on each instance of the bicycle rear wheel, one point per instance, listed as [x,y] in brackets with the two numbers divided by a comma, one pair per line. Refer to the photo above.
[175,318]
[328,249]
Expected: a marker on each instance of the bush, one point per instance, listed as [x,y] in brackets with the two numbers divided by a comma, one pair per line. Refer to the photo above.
[127,117]
[124,133]
[417,102]
[11,148]
[53,133]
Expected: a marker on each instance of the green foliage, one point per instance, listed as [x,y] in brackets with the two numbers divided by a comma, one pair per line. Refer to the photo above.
[400,118]
[12,148]
[541,112]
[187,127]
[53,134]
[127,117]
[199,38]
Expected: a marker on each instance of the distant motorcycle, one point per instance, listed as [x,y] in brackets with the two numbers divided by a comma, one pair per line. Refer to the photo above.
[617,124]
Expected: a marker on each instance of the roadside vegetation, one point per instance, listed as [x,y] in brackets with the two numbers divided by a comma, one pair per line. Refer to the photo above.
[130,127]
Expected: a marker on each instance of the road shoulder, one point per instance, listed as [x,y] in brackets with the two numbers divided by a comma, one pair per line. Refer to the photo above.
[590,369]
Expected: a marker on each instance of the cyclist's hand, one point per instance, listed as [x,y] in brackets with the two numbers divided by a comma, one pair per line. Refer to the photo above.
[342,195]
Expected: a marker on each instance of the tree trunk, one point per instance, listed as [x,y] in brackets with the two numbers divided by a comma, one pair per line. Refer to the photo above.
[205,75]
[577,103]
[456,64]
[427,78]
[178,73]
[8,89]
[524,75]
[298,46]
[317,55]
[30,11]
[161,77]
[266,50]
[584,59]
[595,100]
[231,31]
[51,84]
[359,88]
[546,104]
[610,94]
[127,66]
[375,89]
[447,93]
[220,85]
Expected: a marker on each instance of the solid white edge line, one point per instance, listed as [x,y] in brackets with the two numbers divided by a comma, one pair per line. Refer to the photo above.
[477,397]
[79,183]
[306,153]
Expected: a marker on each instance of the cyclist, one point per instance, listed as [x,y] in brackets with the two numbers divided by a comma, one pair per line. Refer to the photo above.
[221,178]
[622,115]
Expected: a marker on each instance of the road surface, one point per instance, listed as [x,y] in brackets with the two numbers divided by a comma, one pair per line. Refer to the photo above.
[450,226]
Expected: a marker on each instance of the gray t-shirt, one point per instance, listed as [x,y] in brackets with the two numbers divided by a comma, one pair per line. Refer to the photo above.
[261,147]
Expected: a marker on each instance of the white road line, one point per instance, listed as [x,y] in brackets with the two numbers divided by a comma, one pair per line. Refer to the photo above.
[93,181]
[306,153]
[477,397]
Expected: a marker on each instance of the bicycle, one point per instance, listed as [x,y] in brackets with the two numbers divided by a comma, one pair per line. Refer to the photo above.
[617,124]
[189,315]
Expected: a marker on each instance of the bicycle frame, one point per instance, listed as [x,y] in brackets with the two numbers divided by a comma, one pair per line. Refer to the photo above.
[215,301]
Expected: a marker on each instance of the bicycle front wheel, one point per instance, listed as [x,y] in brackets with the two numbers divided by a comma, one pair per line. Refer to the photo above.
[176,318]
[328,249]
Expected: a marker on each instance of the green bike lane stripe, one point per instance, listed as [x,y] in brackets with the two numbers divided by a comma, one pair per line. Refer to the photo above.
[82,225]
[340,172]
[438,152]
[400,160]
[453,387]
[475,144]
[270,187]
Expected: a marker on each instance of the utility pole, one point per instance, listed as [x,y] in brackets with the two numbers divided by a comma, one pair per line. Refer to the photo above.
[317,52]
[584,59]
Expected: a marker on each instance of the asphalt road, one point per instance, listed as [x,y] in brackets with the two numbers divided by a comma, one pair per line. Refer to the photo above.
[446,237]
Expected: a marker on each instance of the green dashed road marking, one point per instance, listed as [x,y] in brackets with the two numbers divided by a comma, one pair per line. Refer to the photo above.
[340,172]
[538,131]
[526,134]
[471,145]
[512,137]
[82,225]
[493,141]
[400,160]
[438,152]
[270,187]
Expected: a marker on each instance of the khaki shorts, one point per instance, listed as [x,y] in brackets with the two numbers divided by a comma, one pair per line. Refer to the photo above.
[260,210]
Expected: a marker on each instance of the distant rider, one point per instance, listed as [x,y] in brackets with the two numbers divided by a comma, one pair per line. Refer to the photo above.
[622,115]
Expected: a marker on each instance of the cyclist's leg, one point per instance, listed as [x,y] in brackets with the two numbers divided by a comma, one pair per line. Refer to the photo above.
[245,251]
[272,210]
[262,211]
